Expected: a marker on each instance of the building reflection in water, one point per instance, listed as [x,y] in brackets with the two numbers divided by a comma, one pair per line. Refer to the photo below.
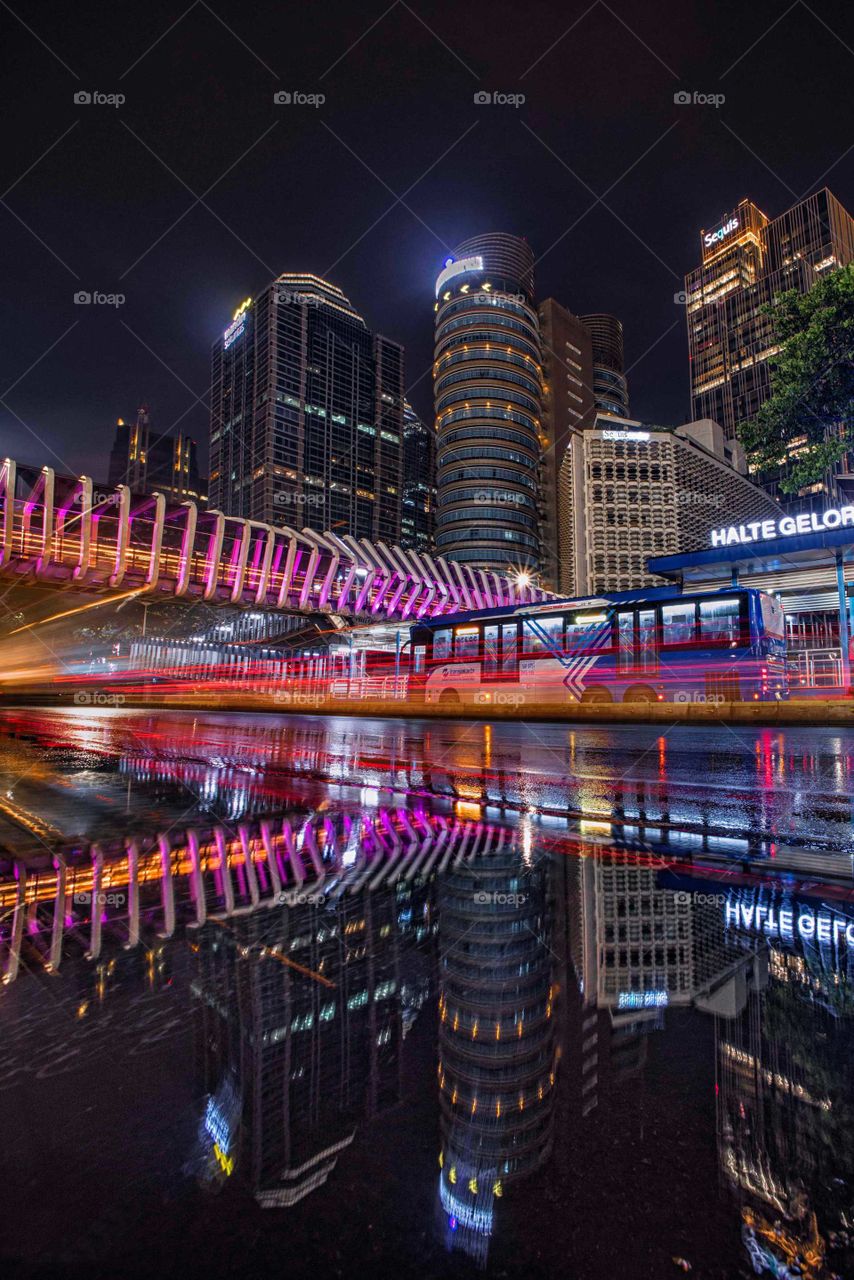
[786,1088]
[497,1054]
[562,971]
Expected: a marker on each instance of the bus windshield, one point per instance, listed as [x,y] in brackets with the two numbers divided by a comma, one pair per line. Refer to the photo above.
[773,618]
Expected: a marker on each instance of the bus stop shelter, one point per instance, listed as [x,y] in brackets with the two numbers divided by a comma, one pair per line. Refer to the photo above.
[804,569]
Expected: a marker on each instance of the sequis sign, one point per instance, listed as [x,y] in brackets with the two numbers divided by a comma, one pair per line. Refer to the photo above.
[786,527]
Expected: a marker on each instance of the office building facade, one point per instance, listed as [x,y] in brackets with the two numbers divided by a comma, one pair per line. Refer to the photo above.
[418,505]
[307,414]
[610,388]
[627,488]
[147,462]
[488,402]
[568,406]
[747,260]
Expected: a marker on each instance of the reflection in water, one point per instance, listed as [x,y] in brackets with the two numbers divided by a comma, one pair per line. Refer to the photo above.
[497,1059]
[556,988]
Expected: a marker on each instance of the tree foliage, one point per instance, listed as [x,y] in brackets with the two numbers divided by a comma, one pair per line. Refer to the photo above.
[812,383]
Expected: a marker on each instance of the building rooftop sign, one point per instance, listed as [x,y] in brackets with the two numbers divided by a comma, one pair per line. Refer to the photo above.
[786,527]
[453,269]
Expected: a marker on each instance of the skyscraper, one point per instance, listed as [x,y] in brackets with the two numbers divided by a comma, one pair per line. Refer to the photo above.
[146,461]
[746,261]
[488,399]
[307,414]
[568,407]
[610,388]
[418,507]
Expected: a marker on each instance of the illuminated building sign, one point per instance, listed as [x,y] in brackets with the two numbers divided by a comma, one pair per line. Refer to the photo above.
[714,237]
[642,999]
[810,923]
[237,326]
[625,435]
[233,332]
[453,269]
[785,527]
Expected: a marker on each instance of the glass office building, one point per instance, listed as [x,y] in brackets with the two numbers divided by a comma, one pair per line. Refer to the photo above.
[746,261]
[307,414]
[488,401]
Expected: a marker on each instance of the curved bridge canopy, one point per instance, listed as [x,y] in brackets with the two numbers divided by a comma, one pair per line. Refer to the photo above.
[57,531]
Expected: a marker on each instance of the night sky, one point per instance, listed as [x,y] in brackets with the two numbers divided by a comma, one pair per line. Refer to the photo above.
[199,189]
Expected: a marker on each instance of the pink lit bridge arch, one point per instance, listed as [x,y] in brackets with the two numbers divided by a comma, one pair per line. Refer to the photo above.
[57,531]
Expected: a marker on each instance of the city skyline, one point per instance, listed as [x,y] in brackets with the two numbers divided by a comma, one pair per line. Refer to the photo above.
[625,255]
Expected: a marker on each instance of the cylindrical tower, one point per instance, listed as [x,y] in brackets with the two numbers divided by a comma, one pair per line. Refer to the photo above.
[610,389]
[488,396]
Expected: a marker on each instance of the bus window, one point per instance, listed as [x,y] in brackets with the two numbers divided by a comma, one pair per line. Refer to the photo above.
[442,645]
[720,620]
[509,648]
[418,652]
[646,639]
[543,635]
[583,629]
[677,623]
[466,642]
[490,650]
[625,639]
[773,618]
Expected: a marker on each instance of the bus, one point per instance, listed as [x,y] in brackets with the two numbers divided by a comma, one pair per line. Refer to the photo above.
[632,646]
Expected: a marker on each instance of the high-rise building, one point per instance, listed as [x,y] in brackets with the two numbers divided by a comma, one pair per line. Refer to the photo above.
[568,406]
[488,399]
[307,414]
[610,388]
[146,461]
[746,261]
[628,488]
[418,507]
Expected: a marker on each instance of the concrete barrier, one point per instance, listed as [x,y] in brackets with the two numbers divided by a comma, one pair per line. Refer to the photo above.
[813,711]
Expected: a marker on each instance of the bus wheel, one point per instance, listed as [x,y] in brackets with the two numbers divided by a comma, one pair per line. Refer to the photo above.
[449,698]
[595,697]
[642,693]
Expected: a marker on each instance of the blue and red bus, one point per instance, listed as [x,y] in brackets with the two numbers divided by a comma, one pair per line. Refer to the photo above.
[632,646]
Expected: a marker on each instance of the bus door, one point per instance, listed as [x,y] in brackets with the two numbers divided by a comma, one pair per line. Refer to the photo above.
[637,642]
[647,641]
[501,652]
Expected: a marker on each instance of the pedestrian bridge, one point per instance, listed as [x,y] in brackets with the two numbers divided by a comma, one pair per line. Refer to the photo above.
[146,886]
[58,532]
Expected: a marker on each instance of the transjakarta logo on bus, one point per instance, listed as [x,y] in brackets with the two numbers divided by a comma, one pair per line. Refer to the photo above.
[786,527]
[714,237]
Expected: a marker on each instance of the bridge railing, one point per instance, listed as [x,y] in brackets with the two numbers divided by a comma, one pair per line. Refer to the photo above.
[57,529]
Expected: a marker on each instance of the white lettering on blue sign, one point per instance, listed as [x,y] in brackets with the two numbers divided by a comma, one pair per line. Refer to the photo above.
[786,527]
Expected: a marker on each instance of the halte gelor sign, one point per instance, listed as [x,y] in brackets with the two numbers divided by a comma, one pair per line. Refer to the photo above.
[785,527]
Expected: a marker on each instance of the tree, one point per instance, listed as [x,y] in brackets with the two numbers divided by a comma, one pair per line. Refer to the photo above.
[812,383]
